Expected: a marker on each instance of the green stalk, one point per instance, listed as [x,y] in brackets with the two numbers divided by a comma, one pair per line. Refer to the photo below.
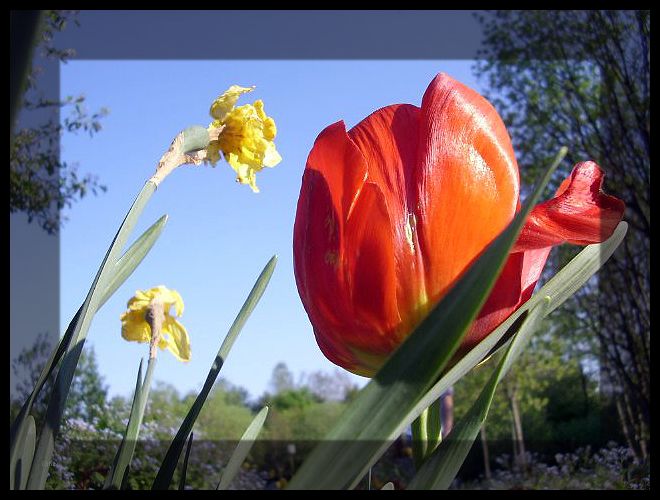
[419,438]
[122,270]
[127,446]
[45,446]
[426,433]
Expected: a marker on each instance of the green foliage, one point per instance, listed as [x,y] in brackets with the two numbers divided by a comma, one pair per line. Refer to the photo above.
[224,416]
[281,379]
[87,430]
[582,79]
[294,399]
[40,185]
[165,409]
[88,393]
[87,401]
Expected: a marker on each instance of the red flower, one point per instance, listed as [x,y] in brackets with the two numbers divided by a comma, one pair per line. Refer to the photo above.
[392,212]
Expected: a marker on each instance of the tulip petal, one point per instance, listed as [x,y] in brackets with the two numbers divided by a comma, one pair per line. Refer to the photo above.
[580,213]
[388,141]
[370,262]
[333,178]
[341,164]
[467,180]
[319,277]
[343,251]
[504,298]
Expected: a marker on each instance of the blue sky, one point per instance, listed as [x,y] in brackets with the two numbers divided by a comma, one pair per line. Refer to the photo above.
[219,234]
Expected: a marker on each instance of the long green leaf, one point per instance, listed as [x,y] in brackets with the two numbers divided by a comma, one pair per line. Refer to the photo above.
[132,258]
[242,449]
[123,269]
[18,475]
[45,446]
[184,470]
[444,463]
[129,441]
[559,288]
[166,471]
[367,424]
[564,284]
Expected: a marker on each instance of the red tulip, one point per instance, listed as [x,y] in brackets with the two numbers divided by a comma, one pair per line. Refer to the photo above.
[392,212]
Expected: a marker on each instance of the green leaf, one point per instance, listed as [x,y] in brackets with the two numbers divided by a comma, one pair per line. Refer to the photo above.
[126,449]
[355,443]
[18,474]
[166,471]
[433,429]
[132,258]
[184,470]
[443,464]
[559,288]
[18,426]
[419,438]
[242,449]
[123,269]
[46,443]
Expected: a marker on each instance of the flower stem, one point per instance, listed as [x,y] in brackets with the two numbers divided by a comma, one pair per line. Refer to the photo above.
[426,433]
[419,438]
[117,473]
[62,385]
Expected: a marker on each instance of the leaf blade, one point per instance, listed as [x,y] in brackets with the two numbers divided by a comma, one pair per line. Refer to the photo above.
[242,449]
[166,470]
[46,443]
[444,463]
[184,470]
[560,287]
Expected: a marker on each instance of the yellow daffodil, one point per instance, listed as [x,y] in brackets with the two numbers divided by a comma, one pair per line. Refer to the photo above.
[173,335]
[244,135]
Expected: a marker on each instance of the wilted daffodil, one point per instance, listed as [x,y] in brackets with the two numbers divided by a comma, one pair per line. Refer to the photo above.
[243,134]
[392,212]
[148,313]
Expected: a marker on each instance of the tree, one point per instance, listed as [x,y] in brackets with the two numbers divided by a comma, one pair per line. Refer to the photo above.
[225,415]
[582,79]
[329,386]
[281,379]
[40,185]
[88,394]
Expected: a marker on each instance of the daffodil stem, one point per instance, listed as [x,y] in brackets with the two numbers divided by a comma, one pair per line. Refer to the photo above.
[45,446]
[172,158]
[189,146]
[127,447]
